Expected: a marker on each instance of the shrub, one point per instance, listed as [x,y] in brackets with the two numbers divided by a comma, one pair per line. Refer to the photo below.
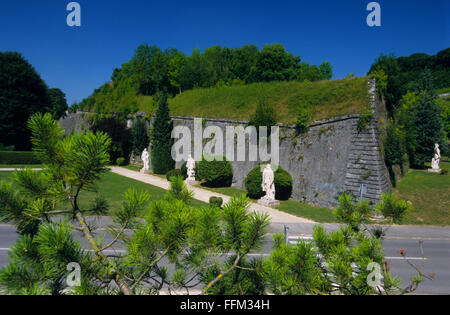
[18,157]
[216,173]
[301,125]
[216,201]
[364,120]
[444,171]
[173,173]
[283,184]
[121,161]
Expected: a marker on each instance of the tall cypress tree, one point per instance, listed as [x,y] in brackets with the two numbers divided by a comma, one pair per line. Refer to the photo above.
[162,141]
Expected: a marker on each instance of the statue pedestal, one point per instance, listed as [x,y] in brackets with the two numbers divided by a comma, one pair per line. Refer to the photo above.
[191,182]
[145,171]
[268,202]
[433,170]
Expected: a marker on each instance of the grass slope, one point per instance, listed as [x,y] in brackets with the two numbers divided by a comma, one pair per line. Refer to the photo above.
[429,194]
[324,99]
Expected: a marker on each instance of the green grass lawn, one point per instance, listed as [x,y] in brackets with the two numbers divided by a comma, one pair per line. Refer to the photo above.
[18,166]
[300,209]
[112,187]
[429,194]
[228,191]
[138,169]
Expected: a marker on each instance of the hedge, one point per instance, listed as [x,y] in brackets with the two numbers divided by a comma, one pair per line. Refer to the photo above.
[216,173]
[18,157]
[283,184]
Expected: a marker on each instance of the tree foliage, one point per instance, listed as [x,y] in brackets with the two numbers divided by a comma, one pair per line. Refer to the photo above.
[161,139]
[22,93]
[152,70]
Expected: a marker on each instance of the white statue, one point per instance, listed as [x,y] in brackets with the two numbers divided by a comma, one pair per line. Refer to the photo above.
[190,166]
[268,186]
[436,159]
[146,159]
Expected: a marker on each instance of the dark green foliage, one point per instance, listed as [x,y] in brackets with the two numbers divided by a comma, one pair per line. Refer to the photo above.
[161,139]
[121,161]
[404,72]
[183,170]
[275,64]
[173,173]
[59,102]
[444,171]
[426,122]
[216,201]
[283,184]
[139,136]
[395,152]
[216,173]
[241,281]
[17,157]
[115,128]
[22,93]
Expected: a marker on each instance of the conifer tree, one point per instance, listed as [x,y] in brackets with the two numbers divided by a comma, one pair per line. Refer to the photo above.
[161,144]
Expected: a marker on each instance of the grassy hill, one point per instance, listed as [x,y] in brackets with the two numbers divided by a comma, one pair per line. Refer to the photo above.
[324,99]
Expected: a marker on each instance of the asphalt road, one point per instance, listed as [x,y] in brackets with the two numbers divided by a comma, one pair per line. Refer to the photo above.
[436,251]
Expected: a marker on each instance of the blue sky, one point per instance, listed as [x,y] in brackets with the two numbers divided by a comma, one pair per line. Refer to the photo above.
[78,60]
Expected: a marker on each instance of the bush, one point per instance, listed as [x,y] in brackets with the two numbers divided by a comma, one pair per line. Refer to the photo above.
[444,171]
[121,161]
[301,125]
[216,201]
[283,184]
[18,157]
[173,173]
[364,120]
[216,173]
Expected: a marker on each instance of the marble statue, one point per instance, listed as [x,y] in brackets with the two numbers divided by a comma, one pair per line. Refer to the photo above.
[190,166]
[146,160]
[268,186]
[436,159]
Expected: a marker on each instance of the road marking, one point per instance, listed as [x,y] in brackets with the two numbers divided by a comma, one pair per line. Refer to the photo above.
[122,251]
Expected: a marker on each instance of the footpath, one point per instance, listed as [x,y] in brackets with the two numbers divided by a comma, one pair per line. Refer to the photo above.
[204,195]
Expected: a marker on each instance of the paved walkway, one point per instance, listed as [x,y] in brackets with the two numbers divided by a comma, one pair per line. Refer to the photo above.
[204,195]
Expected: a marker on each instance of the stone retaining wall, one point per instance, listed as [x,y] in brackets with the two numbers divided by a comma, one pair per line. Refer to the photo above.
[330,158]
